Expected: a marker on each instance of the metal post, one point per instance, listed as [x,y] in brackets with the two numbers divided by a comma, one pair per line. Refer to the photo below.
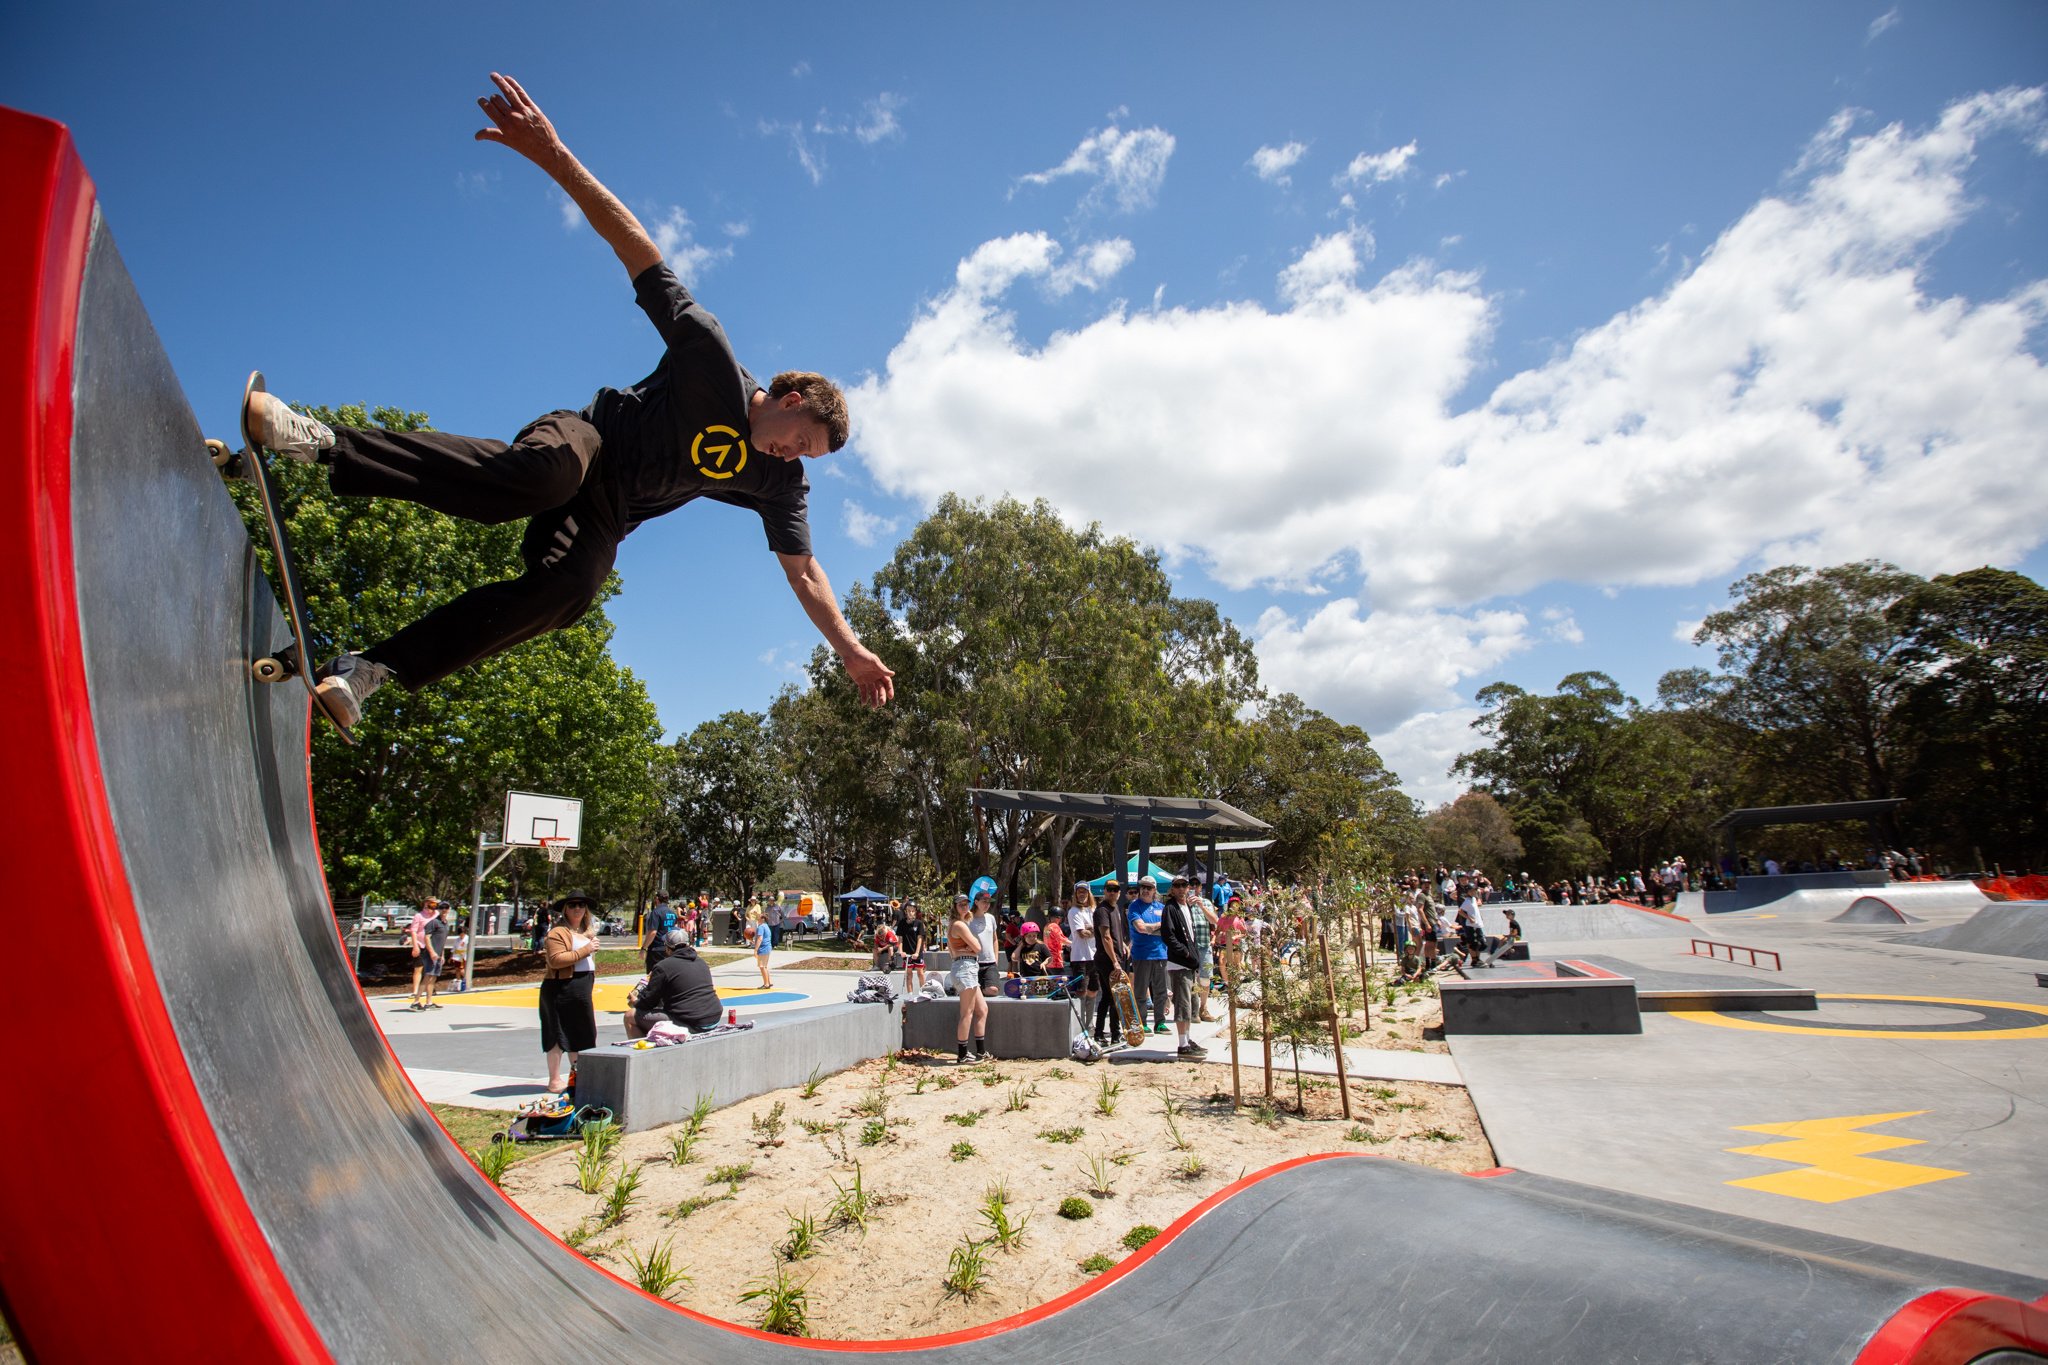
[476,900]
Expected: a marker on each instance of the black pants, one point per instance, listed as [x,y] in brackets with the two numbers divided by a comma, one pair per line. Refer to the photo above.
[1101,973]
[551,473]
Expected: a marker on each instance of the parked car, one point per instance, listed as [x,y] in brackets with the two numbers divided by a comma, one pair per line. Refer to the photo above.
[373,924]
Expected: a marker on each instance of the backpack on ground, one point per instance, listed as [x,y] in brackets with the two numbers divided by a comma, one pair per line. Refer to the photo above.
[554,1118]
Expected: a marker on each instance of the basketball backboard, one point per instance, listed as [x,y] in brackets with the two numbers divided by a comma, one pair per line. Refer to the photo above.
[531,817]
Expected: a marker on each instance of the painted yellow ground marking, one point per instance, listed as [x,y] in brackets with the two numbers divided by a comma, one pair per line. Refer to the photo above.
[1836,1159]
[607,997]
[2008,1008]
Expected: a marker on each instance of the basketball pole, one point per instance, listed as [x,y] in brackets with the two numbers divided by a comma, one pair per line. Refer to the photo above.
[484,843]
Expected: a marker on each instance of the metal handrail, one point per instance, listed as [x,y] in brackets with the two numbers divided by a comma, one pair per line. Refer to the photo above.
[1777,965]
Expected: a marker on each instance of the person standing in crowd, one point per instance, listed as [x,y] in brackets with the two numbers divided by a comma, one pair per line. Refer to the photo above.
[967,944]
[1081,950]
[774,919]
[1055,942]
[762,941]
[678,989]
[660,919]
[1148,954]
[913,934]
[1177,936]
[1030,957]
[568,1022]
[415,939]
[433,953]
[1230,936]
[1112,960]
[982,924]
[1203,916]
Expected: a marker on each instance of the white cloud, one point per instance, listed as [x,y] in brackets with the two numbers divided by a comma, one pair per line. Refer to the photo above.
[1685,630]
[800,70]
[1881,23]
[1129,166]
[1380,668]
[864,527]
[676,238]
[1799,393]
[878,119]
[572,217]
[1375,168]
[1092,266]
[1563,627]
[1421,749]
[1273,163]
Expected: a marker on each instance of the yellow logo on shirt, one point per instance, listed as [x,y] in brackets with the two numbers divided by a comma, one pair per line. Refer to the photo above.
[720,452]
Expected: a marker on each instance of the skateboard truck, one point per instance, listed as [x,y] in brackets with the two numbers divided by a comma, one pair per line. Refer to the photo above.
[277,665]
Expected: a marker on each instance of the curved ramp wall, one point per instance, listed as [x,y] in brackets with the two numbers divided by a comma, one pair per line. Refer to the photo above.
[236,1148]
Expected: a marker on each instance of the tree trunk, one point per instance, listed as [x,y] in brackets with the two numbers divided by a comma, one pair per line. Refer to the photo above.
[1265,1016]
[1230,1004]
[1362,923]
[1336,1029]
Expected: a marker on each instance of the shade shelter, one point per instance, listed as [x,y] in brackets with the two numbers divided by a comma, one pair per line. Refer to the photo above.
[1133,818]
[1831,812]
[862,893]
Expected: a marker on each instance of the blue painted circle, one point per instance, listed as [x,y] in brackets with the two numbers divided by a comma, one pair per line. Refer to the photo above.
[764,998]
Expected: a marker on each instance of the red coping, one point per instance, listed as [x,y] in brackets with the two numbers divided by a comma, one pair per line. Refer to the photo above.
[130,1101]
[1954,1326]
[1648,910]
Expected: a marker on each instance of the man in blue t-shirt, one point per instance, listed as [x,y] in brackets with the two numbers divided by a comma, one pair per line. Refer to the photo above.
[697,427]
[1148,953]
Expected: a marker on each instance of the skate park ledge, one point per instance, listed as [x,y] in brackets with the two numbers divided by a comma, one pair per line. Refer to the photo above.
[648,1087]
[1543,997]
[1016,1028]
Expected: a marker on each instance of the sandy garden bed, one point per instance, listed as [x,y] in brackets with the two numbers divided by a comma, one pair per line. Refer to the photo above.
[927,1142]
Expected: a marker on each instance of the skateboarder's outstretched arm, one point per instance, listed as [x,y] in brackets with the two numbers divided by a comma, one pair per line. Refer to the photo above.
[521,126]
[874,679]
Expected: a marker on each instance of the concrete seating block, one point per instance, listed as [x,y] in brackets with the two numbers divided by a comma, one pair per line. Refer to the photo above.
[1016,1028]
[648,1087]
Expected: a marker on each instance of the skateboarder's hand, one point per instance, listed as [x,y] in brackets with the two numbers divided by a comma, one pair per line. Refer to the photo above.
[519,122]
[875,679]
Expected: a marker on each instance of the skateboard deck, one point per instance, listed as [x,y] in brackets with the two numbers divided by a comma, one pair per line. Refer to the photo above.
[1127,1007]
[295,657]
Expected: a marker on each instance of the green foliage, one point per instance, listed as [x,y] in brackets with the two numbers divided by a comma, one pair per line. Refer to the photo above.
[960,1151]
[492,1159]
[1005,1230]
[700,1113]
[874,1132]
[1098,1263]
[593,1166]
[1191,1167]
[967,1269]
[812,1082]
[1060,1134]
[658,1272]
[400,813]
[853,1205]
[1106,1092]
[679,1145]
[1136,1238]
[725,808]
[731,1175]
[803,1237]
[768,1127]
[784,1303]
[1020,1097]
[1100,1168]
[695,1204]
[1075,1208]
[624,1194]
[968,1119]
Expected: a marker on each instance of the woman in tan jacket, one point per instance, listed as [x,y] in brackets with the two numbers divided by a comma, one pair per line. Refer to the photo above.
[568,1023]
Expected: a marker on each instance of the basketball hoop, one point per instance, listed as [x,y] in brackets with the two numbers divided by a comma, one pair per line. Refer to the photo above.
[556,849]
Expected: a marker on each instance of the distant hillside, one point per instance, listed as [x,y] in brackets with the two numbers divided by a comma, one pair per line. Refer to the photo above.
[796,876]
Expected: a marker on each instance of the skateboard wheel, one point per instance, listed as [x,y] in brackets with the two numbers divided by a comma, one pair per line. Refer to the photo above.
[268,670]
[219,453]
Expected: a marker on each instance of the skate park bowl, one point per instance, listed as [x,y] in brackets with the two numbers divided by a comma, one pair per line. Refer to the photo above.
[1831,893]
[2001,929]
[235,1119]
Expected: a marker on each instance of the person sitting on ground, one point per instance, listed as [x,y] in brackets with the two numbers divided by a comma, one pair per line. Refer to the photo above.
[694,428]
[1031,954]
[677,991]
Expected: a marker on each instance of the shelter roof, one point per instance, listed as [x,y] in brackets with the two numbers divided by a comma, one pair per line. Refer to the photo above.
[1172,812]
[1757,816]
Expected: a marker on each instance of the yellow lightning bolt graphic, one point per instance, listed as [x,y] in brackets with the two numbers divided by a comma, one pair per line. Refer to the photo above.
[1836,1159]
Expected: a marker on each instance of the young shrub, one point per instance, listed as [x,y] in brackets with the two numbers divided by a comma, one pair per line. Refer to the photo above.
[812,1082]
[1076,1208]
[967,1269]
[1098,1263]
[768,1127]
[730,1176]
[784,1303]
[1105,1096]
[803,1236]
[658,1271]
[1139,1235]
[962,1150]
[700,1112]
[1004,1230]
[968,1119]
[1190,1168]
[592,1168]
[493,1158]
[854,1204]
[1360,1133]
[625,1193]
[1060,1134]
[1101,1172]
[874,1132]
[680,1145]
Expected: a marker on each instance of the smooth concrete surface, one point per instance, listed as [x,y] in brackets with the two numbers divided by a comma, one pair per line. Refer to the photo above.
[1756,890]
[2007,929]
[1546,925]
[1657,1114]
[1016,1028]
[1873,910]
[648,1087]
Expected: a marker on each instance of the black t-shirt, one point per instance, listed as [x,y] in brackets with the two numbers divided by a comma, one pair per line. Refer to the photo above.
[912,934]
[682,433]
[1031,959]
[681,988]
[436,932]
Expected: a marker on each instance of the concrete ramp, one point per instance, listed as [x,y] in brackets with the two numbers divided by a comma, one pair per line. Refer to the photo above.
[1873,910]
[2006,929]
[241,1170]
[1544,924]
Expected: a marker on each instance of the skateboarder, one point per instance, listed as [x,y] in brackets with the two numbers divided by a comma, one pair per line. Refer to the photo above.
[698,426]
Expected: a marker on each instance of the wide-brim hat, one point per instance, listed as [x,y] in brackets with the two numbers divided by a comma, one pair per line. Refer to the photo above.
[562,901]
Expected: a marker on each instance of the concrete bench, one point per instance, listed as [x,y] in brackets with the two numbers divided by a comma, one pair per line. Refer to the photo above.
[648,1087]
[1578,998]
[1016,1028]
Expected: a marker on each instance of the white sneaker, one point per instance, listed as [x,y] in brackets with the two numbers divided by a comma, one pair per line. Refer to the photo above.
[291,434]
[345,684]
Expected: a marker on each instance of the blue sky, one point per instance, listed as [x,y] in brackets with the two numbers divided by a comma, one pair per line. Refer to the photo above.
[1439,344]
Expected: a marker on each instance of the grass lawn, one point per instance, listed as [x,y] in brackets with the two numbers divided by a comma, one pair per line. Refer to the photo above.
[472,1129]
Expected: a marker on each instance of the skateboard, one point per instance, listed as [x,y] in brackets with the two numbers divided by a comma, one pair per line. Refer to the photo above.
[294,658]
[1127,1007]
